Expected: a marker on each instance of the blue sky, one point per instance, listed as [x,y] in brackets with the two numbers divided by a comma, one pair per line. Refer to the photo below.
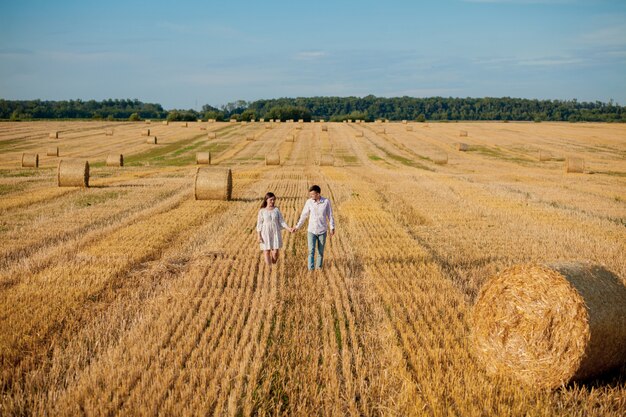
[187,53]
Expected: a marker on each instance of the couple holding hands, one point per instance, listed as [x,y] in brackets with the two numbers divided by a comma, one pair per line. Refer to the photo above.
[270,222]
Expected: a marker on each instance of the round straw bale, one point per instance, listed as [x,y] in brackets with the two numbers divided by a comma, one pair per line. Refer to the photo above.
[268,125]
[576,165]
[327,160]
[30,160]
[233,120]
[291,138]
[185,124]
[108,132]
[213,184]
[547,325]
[298,126]
[115,160]
[261,119]
[203,158]
[166,123]
[440,159]
[462,147]
[152,140]
[404,122]
[52,151]
[300,120]
[463,133]
[148,121]
[211,135]
[272,158]
[199,120]
[53,135]
[145,132]
[359,134]
[544,156]
[250,136]
[324,128]
[73,173]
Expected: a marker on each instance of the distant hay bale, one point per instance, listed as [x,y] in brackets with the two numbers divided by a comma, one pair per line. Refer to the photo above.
[202,128]
[152,140]
[261,120]
[30,160]
[53,135]
[291,138]
[148,121]
[349,120]
[108,132]
[548,325]
[575,165]
[544,156]
[73,173]
[359,134]
[199,120]
[52,151]
[463,147]
[250,136]
[211,120]
[327,161]
[322,121]
[233,120]
[211,135]
[300,120]
[213,184]
[115,160]
[324,128]
[165,123]
[203,158]
[440,159]
[382,131]
[345,121]
[409,128]
[268,125]
[252,121]
[185,124]
[404,122]
[145,132]
[298,127]
[272,158]
[463,133]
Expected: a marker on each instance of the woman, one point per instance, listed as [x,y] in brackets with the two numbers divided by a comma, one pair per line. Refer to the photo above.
[269,223]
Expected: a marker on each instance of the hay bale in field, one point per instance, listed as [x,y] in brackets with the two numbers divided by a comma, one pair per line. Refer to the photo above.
[327,161]
[211,135]
[291,138]
[382,131]
[165,123]
[440,159]
[250,136]
[359,134]
[268,125]
[108,132]
[203,158]
[404,122]
[202,128]
[52,151]
[185,124]
[211,120]
[463,147]
[73,173]
[199,120]
[300,120]
[548,325]
[115,160]
[53,135]
[213,184]
[463,133]
[544,156]
[145,132]
[233,120]
[30,160]
[575,165]
[272,158]
[261,119]
[324,128]
[152,140]
[148,121]
[409,128]
[298,127]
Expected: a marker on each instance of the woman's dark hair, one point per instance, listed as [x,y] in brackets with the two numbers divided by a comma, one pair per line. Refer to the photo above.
[267,197]
[315,188]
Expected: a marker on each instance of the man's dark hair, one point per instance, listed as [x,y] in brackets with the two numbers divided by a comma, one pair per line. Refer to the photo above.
[315,188]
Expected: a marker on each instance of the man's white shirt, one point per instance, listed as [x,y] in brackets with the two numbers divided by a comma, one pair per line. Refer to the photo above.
[318,211]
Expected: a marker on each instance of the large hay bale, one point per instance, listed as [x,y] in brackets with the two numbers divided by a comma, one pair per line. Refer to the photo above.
[327,161]
[203,158]
[52,151]
[152,140]
[73,173]
[199,120]
[211,120]
[463,133]
[272,158]
[544,156]
[115,160]
[440,159]
[463,147]
[165,123]
[404,122]
[145,132]
[262,119]
[53,135]
[547,325]
[213,184]
[575,165]
[250,136]
[324,128]
[300,120]
[211,135]
[30,160]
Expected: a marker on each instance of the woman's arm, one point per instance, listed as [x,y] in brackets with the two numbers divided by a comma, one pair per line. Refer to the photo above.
[259,225]
[282,221]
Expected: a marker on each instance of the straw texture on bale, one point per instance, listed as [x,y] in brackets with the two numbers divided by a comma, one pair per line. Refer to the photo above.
[576,165]
[211,135]
[152,140]
[148,121]
[324,128]
[30,160]
[108,132]
[166,123]
[73,173]
[272,158]
[233,120]
[291,138]
[115,160]
[327,160]
[53,151]
[544,156]
[185,124]
[53,135]
[548,325]
[213,184]
[249,136]
[203,158]
[462,147]
[145,132]
[440,159]
[463,133]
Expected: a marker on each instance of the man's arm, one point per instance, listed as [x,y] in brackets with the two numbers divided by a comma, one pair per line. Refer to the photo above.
[305,213]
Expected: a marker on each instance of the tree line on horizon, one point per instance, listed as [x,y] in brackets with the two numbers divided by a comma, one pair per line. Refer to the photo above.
[368,108]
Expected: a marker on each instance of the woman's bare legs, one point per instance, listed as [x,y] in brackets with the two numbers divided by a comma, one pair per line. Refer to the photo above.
[275,256]
[268,257]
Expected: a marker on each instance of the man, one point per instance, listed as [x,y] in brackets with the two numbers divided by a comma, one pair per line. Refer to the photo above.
[319,210]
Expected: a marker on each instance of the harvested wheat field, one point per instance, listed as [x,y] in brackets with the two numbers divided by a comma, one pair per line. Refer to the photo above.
[132,297]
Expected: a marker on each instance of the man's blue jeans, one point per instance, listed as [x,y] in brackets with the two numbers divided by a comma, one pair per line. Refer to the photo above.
[320,241]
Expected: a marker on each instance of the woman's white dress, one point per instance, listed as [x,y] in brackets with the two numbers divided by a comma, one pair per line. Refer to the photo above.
[270,223]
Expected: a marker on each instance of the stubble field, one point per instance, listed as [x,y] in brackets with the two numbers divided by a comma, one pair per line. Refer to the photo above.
[132,298]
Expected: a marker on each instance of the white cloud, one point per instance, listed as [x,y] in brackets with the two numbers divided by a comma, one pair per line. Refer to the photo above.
[310,55]
[607,36]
